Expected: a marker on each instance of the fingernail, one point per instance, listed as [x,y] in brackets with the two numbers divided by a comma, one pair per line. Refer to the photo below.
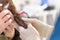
[10,20]
[8,16]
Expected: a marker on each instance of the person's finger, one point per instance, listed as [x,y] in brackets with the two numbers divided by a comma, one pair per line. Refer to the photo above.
[6,18]
[11,15]
[9,31]
[3,13]
[8,22]
[10,27]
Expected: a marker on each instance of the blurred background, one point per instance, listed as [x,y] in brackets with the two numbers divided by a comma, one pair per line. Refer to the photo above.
[43,10]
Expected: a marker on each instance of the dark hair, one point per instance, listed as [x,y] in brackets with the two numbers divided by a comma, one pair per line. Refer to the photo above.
[12,8]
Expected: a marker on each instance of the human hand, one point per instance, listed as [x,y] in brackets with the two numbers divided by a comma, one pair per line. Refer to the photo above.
[5,19]
[9,31]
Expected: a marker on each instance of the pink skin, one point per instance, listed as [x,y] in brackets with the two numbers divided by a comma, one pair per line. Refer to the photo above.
[6,24]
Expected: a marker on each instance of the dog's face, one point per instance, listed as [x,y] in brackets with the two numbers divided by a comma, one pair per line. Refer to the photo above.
[3,3]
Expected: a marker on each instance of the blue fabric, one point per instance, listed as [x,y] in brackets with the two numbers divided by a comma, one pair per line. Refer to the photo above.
[43,2]
[56,32]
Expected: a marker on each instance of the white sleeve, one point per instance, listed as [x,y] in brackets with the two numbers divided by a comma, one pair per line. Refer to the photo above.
[29,34]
